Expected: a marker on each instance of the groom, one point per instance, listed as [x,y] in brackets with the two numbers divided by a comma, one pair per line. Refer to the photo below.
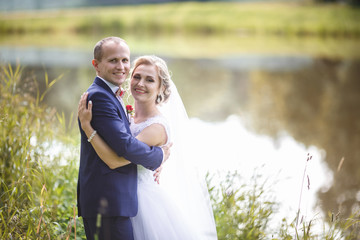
[104,193]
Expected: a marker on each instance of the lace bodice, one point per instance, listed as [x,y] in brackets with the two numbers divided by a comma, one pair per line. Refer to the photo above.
[145,176]
[136,128]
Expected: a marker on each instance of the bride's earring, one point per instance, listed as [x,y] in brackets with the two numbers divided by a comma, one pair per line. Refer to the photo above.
[158,99]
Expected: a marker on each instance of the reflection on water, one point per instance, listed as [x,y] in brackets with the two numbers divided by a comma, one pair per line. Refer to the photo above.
[281,165]
[317,105]
[281,107]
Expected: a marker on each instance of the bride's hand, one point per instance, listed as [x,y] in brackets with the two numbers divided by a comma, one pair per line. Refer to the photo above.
[157,174]
[84,112]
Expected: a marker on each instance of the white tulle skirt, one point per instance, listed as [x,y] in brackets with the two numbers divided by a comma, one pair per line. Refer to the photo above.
[159,217]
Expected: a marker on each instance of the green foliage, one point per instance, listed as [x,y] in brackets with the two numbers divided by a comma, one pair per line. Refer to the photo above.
[38,189]
[242,211]
[245,211]
[340,228]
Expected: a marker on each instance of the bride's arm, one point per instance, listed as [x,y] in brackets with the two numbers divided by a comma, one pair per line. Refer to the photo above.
[154,135]
[103,150]
[149,135]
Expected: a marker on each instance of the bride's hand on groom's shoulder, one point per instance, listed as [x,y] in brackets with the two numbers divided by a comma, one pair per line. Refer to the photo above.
[84,110]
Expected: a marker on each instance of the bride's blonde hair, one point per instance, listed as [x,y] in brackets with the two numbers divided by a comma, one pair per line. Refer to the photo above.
[162,71]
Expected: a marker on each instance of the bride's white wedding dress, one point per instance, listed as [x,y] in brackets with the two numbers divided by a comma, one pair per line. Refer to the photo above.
[179,207]
[159,217]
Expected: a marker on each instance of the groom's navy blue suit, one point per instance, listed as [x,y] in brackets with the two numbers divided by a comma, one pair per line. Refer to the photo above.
[111,193]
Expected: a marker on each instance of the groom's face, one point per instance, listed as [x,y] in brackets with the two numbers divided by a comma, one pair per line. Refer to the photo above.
[114,66]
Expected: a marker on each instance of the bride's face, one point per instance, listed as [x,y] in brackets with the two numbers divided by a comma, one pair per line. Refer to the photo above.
[145,83]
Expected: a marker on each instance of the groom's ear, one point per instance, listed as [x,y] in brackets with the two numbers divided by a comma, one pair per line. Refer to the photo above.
[95,63]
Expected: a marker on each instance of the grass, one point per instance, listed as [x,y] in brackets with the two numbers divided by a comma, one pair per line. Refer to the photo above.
[199,30]
[39,166]
[37,189]
[242,211]
[193,18]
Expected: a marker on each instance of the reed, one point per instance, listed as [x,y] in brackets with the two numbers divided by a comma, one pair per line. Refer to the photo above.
[242,211]
[300,198]
[245,211]
[37,191]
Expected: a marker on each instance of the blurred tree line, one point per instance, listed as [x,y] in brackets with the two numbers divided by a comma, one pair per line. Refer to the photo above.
[14,5]
[6,5]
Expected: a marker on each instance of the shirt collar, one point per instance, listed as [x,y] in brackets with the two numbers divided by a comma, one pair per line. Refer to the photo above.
[113,87]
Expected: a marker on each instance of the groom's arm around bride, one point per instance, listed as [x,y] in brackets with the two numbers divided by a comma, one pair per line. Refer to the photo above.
[112,193]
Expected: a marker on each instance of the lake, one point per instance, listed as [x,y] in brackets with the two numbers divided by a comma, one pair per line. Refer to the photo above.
[250,111]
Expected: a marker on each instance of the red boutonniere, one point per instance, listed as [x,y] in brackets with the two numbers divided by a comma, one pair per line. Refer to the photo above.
[129,111]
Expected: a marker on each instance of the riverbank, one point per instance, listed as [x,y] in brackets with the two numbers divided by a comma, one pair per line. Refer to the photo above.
[198,30]
[270,18]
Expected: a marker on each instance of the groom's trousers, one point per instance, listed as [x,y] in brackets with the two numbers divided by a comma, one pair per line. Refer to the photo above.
[111,228]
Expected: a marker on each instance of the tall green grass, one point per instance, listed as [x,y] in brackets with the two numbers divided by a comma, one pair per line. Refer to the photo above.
[242,211]
[38,188]
[248,211]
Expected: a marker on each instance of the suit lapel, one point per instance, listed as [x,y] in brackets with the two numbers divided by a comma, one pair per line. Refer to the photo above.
[101,83]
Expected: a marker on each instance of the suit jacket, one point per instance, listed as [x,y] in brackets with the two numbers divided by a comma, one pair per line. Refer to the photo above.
[112,192]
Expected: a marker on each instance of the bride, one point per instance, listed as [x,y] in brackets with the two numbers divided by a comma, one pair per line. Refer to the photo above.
[179,207]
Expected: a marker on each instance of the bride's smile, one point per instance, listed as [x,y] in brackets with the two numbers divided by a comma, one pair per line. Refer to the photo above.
[145,84]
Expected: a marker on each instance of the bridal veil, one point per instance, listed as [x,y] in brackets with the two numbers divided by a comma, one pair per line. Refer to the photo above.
[179,176]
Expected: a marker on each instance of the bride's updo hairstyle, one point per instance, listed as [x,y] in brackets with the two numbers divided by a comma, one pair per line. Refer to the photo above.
[162,71]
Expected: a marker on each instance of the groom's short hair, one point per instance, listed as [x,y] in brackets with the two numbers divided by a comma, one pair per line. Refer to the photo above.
[98,47]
